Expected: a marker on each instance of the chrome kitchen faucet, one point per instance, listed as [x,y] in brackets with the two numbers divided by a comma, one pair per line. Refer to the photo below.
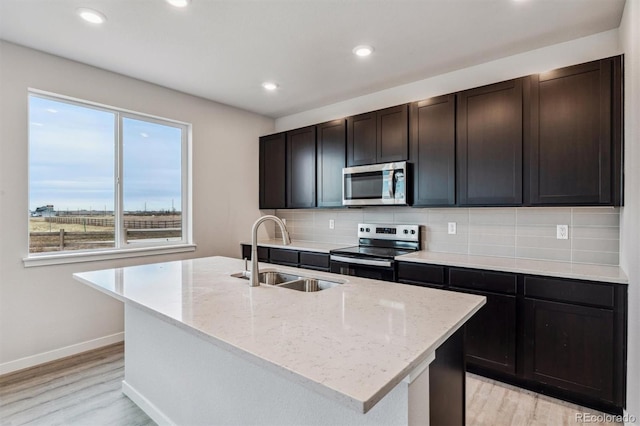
[254,281]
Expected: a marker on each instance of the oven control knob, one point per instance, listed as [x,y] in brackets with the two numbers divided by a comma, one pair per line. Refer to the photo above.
[406,231]
[368,230]
[361,229]
[413,231]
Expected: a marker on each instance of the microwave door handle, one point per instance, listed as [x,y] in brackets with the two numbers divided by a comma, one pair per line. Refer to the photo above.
[391,185]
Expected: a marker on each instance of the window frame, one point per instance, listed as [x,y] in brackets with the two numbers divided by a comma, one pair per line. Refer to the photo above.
[122,248]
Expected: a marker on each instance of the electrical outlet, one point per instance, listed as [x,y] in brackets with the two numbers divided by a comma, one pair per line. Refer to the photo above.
[562,232]
[451,228]
[332,223]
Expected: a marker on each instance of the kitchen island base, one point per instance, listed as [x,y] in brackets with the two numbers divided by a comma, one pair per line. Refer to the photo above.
[177,377]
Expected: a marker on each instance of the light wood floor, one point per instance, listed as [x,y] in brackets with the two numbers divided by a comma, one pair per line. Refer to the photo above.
[86,390]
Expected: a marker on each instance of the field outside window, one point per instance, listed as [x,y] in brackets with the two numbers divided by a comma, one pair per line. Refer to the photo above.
[103,179]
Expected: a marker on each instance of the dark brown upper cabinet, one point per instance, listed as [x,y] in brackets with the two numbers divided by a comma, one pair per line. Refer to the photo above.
[331,152]
[272,171]
[489,145]
[432,142]
[575,144]
[378,137]
[301,168]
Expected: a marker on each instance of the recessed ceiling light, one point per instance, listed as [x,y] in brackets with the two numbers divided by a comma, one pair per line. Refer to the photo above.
[363,50]
[179,3]
[91,15]
[269,85]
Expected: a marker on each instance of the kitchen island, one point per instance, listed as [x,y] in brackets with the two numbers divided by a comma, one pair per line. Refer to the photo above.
[202,347]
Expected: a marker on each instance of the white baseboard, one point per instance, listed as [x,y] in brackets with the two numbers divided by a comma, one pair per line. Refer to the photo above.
[145,405]
[33,360]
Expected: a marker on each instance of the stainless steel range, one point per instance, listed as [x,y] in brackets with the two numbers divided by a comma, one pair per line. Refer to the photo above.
[378,245]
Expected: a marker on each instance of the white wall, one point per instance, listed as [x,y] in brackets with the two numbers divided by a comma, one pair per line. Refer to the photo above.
[630,213]
[43,309]
[585,49]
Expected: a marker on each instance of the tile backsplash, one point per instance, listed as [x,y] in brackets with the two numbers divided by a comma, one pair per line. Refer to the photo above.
[522,232]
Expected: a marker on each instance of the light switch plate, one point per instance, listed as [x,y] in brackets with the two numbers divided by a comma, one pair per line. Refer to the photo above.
[332,224]
[451,229]
[562,232]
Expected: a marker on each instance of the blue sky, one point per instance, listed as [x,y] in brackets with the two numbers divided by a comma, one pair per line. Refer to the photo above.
[72,152]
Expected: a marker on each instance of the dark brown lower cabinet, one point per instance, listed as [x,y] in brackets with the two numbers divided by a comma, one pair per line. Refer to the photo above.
[560,337]
[570,347]
[263,253]
[289,257]
[491,334]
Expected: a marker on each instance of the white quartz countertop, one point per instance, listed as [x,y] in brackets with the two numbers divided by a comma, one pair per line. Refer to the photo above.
[352,343]
[301,245]
[611,274]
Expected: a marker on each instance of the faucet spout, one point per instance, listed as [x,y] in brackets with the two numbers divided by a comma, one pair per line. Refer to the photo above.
[286,240]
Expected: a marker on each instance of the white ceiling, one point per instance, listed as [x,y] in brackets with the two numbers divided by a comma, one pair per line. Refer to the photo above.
[224,49]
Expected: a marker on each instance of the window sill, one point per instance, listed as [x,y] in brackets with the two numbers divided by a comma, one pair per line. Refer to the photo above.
[70,257]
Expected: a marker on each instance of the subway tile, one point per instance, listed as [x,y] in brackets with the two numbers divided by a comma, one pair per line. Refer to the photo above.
[448,215]
[411,217]
[302,215]
[598,232]
[443,247]
[459,238]
[538,231]
[377,216]
[596,257]
[492,216]
[543,254]
[492,239]
[492,229]
[593,244]
[539,216]
[354,215]
[492,250]
[543,242]
[605,219]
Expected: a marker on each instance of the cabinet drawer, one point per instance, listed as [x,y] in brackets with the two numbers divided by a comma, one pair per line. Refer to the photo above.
[415,273]
[314,260]
[284,257]
[580,292]
[483,280]
[263,253]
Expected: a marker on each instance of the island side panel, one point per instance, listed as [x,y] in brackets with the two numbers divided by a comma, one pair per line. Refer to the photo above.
[447,381]
[178,378]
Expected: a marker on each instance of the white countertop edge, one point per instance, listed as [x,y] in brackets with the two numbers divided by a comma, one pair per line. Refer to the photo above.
[479,262]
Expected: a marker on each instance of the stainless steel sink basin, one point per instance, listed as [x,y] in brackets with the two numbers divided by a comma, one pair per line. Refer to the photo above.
[268,277]
[309,285]
[291,281]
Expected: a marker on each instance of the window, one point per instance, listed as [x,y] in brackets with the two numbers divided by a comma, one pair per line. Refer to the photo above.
[103,179]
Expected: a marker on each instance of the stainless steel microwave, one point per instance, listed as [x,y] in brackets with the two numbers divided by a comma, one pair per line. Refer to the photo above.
[375,185]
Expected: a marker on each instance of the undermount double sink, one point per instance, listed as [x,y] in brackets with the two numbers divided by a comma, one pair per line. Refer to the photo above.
[291,281]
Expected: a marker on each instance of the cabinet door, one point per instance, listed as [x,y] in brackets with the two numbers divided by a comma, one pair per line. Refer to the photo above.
[331,160]
[489,144]
[490,335]
[301,168]
[570,347]
[433,151]
[392,132]
[272,171]
[571,151]
[362,139]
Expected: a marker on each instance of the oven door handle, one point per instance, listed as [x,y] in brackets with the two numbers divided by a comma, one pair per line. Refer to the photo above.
[359,261]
